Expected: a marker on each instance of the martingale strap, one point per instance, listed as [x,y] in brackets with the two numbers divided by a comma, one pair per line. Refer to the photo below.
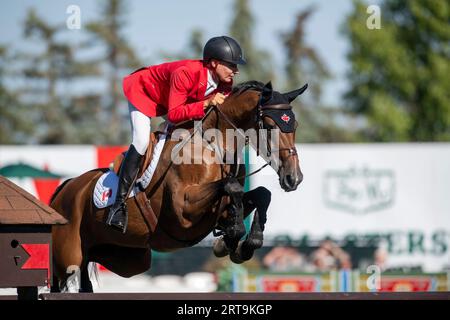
[150,218]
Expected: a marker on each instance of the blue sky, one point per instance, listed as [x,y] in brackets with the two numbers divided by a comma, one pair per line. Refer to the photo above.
[155,26]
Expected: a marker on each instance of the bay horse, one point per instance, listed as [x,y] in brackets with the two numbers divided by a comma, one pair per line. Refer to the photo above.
[189,200]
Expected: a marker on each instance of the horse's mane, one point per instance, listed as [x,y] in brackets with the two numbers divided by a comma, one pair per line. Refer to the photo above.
[236,90]
[248,85]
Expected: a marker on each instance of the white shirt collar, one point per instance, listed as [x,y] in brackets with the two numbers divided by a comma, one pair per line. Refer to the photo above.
[212,84]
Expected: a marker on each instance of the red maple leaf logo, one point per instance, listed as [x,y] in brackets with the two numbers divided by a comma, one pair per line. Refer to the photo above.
[285,118]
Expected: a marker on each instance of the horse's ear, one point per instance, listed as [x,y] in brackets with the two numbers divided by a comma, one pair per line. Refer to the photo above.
[267,91]
[295,93]
[268,86]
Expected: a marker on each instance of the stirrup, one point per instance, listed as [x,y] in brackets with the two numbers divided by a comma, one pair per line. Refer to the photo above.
[118,219]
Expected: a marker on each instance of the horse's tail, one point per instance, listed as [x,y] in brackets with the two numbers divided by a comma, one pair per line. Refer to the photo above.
[58,189]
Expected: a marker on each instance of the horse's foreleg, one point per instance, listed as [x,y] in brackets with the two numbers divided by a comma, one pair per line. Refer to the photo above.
[222,245]
[234,227]
[258,198]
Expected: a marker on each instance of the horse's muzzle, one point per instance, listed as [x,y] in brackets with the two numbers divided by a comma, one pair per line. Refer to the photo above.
[289,180]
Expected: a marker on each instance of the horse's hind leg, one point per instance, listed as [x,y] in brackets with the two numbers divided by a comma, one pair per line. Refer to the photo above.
[67,255]
[126,262]
[55,285]
[85,282]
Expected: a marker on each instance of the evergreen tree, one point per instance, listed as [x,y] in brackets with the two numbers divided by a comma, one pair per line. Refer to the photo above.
[303,63]
[15,128]
[259,62]
[317,123]
[117,59]
[45,72]
[42,70]
[400,75]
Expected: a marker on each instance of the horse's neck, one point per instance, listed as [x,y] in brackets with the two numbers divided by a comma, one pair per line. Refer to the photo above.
[238,110]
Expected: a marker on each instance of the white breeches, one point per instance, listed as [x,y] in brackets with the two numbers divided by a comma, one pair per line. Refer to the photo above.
[140,127]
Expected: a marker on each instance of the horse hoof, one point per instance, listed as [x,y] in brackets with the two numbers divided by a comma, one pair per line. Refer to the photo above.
[235,257]
[220,248]
[255,241]
[254,244]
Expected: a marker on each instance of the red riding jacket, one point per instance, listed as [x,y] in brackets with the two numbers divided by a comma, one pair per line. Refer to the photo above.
[174,88]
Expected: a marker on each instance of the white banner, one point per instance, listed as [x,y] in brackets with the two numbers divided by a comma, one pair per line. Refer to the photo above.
[67,161]
[62,161]
[400,192]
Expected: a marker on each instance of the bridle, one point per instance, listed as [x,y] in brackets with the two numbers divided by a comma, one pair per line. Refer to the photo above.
[261,112]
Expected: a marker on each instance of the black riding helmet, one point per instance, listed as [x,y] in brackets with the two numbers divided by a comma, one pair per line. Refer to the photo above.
[223,48]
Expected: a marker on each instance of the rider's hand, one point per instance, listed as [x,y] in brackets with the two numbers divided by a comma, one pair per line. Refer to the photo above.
[215,100]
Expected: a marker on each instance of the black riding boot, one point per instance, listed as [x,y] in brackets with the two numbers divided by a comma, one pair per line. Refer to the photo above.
[118,215]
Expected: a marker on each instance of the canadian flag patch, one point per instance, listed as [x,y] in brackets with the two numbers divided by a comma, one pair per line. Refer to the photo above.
[106,194]
[285,118]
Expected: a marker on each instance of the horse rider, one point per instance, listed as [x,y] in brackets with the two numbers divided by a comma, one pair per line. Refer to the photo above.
[182,90]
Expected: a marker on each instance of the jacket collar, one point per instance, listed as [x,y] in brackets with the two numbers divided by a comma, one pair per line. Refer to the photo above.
[202,83]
